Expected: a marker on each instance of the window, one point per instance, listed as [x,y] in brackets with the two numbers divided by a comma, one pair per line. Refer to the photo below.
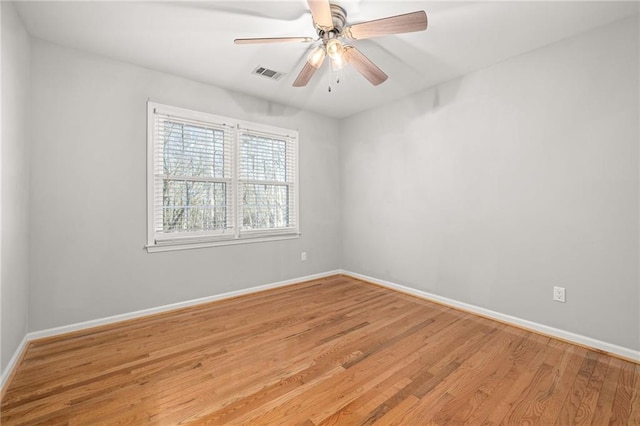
[214,180]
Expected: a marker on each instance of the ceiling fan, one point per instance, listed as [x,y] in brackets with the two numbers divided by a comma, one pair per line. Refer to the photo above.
[329,20]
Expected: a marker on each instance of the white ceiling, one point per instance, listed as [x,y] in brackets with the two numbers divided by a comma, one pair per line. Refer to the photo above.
[194,39]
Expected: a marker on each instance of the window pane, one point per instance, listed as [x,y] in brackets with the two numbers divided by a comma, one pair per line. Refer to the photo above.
[193,151]
[265,206]
[194,206]
[263,158]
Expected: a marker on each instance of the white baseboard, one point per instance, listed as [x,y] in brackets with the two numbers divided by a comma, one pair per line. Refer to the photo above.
[13,362]
[627,353]
[144,312]
[35,335]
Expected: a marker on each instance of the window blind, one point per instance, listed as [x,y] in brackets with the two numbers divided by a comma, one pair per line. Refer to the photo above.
[267,181]
[193,175]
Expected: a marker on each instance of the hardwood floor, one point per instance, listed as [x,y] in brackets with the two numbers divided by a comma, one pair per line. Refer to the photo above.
[334,351]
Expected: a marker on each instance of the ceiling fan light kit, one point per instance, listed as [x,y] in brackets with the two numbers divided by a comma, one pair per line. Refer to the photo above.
[329,21]
[316,57]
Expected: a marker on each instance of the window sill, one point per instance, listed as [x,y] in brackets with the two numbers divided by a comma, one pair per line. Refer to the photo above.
[186,245]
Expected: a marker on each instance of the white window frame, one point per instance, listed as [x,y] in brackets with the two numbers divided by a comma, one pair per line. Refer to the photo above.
[158,241]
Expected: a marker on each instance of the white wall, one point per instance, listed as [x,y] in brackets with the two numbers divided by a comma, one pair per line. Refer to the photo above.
[493,188]
[88,186]
[14,178]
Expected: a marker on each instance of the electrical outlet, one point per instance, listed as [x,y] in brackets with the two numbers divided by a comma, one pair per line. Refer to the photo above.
[559,294]
[303,256]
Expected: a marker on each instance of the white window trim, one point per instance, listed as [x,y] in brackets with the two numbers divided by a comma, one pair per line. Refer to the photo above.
[195,240]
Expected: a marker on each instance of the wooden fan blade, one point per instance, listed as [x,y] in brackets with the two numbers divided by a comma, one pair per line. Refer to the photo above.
[364,66]
[407,23]
[321,12]
[272,40]
[306,73]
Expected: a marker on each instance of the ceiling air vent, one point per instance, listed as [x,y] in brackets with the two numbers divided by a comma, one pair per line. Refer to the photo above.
[266,72]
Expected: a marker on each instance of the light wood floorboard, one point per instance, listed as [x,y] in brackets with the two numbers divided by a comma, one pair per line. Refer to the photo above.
[333,351]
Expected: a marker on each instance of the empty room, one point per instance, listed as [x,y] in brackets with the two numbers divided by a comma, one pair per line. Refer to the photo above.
[319,212]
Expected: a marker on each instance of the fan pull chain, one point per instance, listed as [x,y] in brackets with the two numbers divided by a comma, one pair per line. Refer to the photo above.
[337,80]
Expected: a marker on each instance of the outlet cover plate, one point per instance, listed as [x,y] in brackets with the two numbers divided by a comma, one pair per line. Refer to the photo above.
[559,294]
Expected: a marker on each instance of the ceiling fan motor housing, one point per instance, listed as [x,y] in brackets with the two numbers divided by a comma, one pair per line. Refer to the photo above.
[339,16]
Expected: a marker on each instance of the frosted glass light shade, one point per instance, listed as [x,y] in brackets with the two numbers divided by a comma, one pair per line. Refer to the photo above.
[316,56]
[335,49]
[337,63]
